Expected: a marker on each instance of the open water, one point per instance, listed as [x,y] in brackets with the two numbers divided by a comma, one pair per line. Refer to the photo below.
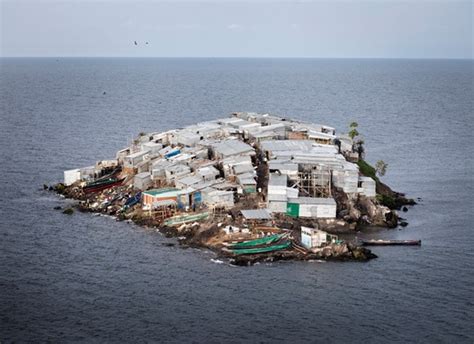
[89,278]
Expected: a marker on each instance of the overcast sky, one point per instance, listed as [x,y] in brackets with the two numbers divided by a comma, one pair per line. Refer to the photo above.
[262,28]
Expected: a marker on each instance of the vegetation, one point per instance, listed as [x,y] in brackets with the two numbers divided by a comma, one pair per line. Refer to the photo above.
[367,170]
[387,201]
[60,188]
[68,211]
[352,130]
[381,167]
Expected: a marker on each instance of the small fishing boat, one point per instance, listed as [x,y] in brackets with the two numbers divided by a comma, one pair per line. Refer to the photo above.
[102,184]
[132,201]
[257,242]
[391,242]
[266,249]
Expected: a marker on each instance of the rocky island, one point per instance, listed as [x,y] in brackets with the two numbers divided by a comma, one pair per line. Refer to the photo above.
[251,187]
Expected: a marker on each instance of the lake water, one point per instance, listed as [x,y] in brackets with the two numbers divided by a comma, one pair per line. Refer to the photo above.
[90,278]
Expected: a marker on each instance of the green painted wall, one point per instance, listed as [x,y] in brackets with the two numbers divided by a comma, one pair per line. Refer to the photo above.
[293,209]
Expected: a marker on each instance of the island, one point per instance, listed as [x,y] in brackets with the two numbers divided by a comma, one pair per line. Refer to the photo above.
[252,187]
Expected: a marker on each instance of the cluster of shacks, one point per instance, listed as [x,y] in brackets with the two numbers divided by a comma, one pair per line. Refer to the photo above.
[210,163]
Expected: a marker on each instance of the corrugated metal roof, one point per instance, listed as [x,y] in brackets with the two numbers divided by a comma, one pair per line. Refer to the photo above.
[165,192]
[312,200]
[277,180]
[232,147]
[256,214]
[287,145]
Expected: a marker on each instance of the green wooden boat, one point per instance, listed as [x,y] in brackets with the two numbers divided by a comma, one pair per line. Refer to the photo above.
[265,249]
[257,242]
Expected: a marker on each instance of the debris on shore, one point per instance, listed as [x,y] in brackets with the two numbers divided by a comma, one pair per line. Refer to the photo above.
[251,187]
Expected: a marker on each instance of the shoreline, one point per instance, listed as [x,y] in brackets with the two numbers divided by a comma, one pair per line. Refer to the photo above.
[249,179]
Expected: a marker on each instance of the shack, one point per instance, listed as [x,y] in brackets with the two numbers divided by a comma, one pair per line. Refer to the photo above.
[314,238]
[142,181]
[366,186]
[315,207]
[256,216]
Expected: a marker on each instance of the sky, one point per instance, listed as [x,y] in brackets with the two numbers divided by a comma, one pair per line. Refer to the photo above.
[259,28]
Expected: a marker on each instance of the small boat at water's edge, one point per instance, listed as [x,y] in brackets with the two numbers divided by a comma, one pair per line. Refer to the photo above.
[391,242]
[265,249]
[261,241]
[102,185]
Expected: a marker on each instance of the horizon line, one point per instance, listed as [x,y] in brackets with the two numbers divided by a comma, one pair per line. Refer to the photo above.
[252,57]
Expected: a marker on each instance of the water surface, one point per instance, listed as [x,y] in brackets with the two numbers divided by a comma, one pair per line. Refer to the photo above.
[90,278]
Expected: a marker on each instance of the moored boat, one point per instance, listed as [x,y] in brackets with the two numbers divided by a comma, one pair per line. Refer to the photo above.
[266,249]
[102,185]
[391,242]
[257,242]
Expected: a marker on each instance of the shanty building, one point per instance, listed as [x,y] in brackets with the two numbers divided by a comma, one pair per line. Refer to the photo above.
[183,198]
[314,238]
[256,216]
[142,181]
[228,148]
[314,207]
[187,181]
[207,173]
[133,160]
[277,193]
[176,171]
[217,198]
[248,182]
[152,148]
[366,186]
[151,196]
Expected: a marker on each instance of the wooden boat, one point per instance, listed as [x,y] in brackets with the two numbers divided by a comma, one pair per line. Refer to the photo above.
[181,219]
[257,242]
[103,184]
[266,249]
[391,242]
[133,200]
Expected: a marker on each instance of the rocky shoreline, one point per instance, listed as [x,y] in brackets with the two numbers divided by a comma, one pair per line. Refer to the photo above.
[201,235]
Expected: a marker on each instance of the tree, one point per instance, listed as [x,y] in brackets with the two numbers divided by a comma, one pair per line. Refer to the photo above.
[352,130]
[381,167]
[353,133]
[359,148]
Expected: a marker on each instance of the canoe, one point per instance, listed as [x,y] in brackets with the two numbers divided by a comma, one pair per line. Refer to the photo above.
[391,242]
[181,219]
[102,185]
[257,242]
[265,249]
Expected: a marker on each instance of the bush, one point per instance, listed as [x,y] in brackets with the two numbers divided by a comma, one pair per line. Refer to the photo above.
[387,201]
[367,170]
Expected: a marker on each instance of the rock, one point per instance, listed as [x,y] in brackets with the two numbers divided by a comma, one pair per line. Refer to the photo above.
[57,207]
[45,187]
[68,211]
[405,209]
[168,244]
[391,219]
[403,223]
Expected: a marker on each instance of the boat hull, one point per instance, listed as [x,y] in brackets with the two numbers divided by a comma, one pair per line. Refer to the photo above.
[104,186]
[391,243]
